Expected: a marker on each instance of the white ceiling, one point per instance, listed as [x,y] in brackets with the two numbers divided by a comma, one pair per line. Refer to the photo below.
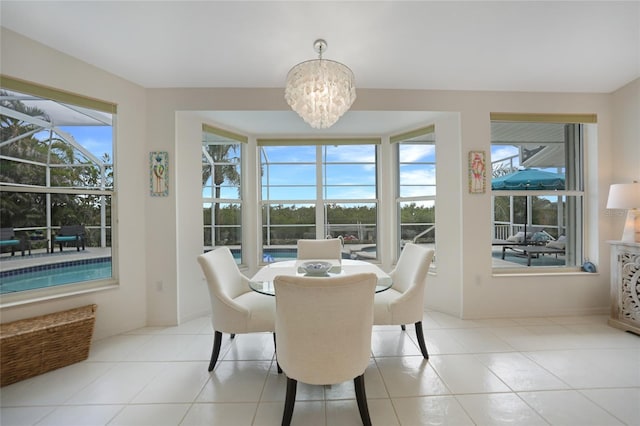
[572,46]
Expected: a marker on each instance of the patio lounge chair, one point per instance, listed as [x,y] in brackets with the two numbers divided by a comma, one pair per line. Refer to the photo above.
[69,234]
[8,239]
[534,251]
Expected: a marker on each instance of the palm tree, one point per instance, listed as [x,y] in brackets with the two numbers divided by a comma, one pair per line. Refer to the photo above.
[224,164]
[21,209]
[18,208]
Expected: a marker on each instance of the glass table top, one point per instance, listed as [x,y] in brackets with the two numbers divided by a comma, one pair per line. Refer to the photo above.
[262,281]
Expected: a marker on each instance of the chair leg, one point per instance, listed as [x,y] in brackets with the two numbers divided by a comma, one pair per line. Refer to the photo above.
[403,327]
[290,401]
[276,352]
[217,341]
[420,336]
[361,398]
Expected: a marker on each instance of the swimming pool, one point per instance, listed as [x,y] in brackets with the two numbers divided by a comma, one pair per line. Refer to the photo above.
[271,254]
[43,276]
[274,254]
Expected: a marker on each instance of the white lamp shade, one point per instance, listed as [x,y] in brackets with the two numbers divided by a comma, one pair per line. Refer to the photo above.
[624,196]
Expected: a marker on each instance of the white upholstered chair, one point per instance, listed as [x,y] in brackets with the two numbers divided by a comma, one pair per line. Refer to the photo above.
[403,303]
[323,333]
[320,249]
[235,307]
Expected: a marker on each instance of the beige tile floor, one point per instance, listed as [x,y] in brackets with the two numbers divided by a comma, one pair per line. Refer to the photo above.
[518,371]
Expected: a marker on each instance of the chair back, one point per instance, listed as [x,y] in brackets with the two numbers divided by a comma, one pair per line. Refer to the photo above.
[320,249]
[323,326]
[7,234]
[412,267]
[71,230]
[225,282]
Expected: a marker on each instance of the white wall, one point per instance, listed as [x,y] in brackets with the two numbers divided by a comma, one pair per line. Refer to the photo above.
[465,284]
[626,134]
[125,308]
[174,126]
[444,289]
[489,295]
[160,237]
[193,294]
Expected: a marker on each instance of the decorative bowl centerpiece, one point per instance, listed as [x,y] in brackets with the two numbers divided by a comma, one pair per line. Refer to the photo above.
[316,268]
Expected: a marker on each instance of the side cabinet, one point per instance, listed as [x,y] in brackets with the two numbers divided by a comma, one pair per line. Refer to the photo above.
[625,286]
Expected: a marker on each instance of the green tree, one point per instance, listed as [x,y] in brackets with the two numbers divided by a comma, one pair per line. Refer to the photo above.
[18,207]
[40,148]
[224,169]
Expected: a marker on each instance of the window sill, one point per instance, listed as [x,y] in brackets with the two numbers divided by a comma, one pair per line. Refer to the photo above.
[539,272]
[52,293]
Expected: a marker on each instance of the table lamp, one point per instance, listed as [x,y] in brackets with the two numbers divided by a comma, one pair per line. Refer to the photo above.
[626,196]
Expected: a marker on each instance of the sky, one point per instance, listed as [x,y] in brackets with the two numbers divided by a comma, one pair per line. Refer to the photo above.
[350,171]
[96,139]
[293,175]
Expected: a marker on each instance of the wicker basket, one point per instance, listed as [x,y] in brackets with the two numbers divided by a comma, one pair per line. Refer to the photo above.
[36,345]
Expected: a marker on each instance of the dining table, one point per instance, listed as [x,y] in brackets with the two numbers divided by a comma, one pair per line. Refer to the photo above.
[262,281]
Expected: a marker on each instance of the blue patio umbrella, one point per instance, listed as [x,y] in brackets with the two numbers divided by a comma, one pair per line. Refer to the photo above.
[528,180]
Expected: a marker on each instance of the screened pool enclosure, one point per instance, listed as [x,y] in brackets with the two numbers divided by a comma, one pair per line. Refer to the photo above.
[56,170]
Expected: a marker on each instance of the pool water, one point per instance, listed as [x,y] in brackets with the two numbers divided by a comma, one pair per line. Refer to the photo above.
[271,254]
[53,275]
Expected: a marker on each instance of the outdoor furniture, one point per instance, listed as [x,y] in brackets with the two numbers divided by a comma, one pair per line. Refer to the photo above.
[527,180]
[8,239]
[533,250]
[69,234]
[500,242]
[323,333]
[38,239]
[536,251]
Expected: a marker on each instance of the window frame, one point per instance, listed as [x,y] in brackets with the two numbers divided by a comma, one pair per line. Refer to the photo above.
[574,196]
[241,142]
[321,228]
[420,136]
[88,105]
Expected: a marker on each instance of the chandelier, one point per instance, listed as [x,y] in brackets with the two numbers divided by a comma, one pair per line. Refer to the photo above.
[320,90]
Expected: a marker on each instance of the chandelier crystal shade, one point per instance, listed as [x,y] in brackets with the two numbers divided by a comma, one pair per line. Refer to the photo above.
[320,90]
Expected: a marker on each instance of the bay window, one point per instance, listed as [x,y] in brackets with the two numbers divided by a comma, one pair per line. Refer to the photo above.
[416,189]
[317,189]
[222,189]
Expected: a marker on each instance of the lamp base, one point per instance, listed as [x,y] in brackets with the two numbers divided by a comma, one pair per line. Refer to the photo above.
[631,233]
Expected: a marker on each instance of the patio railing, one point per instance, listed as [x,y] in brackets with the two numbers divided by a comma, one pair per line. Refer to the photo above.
[503,230]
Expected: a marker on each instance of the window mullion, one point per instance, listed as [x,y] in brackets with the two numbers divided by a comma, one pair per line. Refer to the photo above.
[320,191]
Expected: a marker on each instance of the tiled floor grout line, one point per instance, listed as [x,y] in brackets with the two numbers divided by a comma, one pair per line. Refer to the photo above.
[528,345]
